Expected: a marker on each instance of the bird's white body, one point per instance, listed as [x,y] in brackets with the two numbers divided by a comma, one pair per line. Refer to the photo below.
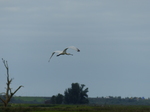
[64,52]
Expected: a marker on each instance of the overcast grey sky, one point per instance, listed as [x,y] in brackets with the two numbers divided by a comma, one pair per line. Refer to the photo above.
[113,36]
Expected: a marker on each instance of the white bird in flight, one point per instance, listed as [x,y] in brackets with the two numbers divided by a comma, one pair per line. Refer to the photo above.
[64,52]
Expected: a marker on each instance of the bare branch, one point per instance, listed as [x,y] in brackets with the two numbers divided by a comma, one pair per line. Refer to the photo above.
[9,93]
[17,89]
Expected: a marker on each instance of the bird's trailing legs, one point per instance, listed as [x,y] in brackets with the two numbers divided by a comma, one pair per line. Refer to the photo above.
[66,54]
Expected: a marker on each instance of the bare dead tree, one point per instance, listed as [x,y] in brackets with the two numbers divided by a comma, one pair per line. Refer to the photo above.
[9,94]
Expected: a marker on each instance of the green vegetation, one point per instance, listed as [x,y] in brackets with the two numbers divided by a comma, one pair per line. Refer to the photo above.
[111,104]
[75,108]
[29,100]
[92,101]
[76,94]
[58,99]
[119,101]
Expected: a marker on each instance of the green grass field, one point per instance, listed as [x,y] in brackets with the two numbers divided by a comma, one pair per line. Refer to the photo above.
[28,99]
[73,108]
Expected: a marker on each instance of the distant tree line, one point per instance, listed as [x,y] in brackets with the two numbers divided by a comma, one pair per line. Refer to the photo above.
[74,95]
[92,101]
[119,101]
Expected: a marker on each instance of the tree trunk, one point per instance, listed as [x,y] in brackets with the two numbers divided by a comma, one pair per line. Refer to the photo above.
[9,94]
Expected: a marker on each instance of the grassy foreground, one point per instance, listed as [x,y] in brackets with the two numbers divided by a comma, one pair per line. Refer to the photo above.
[73,108]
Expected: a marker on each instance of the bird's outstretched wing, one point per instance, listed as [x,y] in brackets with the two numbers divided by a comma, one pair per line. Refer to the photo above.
[59,52]
[74,48]
[51,56]
[64,51]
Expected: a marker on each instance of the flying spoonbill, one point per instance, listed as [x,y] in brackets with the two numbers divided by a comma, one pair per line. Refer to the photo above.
[64,52]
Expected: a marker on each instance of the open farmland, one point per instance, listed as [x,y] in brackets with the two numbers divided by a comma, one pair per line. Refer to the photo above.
[28,99]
